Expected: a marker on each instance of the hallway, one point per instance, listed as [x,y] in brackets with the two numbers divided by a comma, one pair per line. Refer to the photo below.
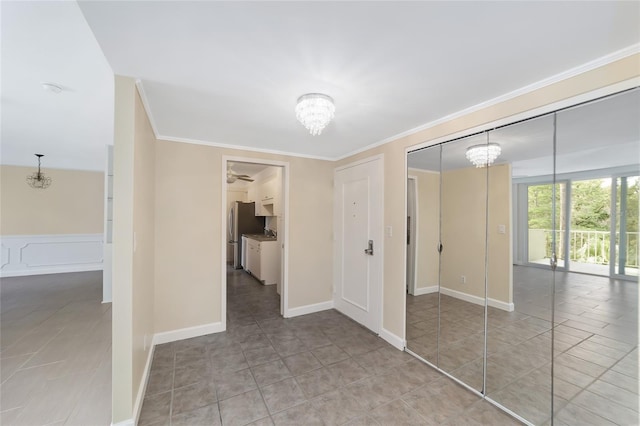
[317,369]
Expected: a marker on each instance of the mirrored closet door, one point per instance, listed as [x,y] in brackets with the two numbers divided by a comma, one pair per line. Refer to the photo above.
[525,284]
[463,214]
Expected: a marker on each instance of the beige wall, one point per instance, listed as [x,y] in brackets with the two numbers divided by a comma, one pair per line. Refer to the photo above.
[133,262]
[73,204]
[428,227]
[188,232]
[395,173]
[464,203]
[144,242]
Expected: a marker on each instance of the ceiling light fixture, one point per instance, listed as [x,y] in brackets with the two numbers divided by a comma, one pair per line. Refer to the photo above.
[51,87]
[315,111]
[37,179]
[483,155]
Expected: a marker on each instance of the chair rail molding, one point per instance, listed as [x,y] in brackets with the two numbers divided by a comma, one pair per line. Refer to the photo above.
[22,255]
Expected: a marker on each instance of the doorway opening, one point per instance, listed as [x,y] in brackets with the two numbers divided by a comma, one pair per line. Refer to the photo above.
[254,235]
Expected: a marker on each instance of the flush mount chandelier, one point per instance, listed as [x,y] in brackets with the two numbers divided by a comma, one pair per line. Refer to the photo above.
[315,111]
[38,180]
[483,155]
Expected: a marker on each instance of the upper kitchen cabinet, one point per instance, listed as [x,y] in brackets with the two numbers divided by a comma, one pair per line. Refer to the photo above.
[266,192]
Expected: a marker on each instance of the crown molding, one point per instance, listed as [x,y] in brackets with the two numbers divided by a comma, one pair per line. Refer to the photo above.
[242,148]
[565,75]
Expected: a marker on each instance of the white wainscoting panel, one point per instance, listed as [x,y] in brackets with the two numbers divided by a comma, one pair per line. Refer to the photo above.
[50,254]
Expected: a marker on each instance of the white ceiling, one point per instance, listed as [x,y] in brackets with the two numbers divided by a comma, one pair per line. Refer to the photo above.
[51,42]
[230,72]
[598,135]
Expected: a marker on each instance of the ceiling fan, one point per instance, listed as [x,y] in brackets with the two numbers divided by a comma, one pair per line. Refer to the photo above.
[232,177]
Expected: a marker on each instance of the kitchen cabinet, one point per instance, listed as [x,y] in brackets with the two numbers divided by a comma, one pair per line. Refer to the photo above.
[263,260]
[266,193]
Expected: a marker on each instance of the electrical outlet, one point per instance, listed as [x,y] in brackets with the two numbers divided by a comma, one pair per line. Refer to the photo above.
[463,279]
[389,231]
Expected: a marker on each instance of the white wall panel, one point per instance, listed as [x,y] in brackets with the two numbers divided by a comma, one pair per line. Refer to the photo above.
[48,254]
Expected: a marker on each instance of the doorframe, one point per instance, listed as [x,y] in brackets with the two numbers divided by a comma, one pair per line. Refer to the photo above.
[284,269]
[414,231]
[380,234]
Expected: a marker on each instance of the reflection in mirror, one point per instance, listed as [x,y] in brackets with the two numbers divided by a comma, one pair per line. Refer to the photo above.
[596,315]
[462,263]
[423,207]
[519,312]
[576,200]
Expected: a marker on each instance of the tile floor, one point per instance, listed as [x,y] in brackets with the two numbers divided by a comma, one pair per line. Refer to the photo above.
[55,350]
[318,369]
[596,354]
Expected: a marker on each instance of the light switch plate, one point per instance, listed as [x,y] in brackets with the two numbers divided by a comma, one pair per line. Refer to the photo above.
[389,231]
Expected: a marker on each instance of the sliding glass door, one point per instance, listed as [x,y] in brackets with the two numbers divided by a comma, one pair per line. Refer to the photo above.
[540,219]
[624,230]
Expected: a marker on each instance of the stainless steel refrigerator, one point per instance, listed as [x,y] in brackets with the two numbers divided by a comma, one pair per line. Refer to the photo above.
[242,220]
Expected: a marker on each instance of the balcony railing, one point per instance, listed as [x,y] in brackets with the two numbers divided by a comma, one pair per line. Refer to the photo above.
[584,246]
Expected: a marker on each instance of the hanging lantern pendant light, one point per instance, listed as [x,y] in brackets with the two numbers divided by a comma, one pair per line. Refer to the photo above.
[38,180]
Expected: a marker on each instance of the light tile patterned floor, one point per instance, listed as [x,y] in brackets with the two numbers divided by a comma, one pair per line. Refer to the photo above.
[596,355]
[55,350]
[318,369]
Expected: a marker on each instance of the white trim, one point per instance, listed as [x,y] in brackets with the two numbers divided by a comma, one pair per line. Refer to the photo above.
[53,270]
[359,162]
[395,341]
[419,291]
[309,309]
[242,148]
[495,303]
[24,255]
[509,307]
[416,231]
[565,75]
[147,108]
[142,388]
[187,333]
[128,422]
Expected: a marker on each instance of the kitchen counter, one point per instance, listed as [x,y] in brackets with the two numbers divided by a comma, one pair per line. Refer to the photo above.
[260,237]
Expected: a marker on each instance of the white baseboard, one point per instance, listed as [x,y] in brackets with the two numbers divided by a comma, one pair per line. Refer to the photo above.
[22,255]
[392,339]
[53,270]
[128,422]
[495,303]
[308,309]
[187,333]
[419,291]
[142,388]
[477,300]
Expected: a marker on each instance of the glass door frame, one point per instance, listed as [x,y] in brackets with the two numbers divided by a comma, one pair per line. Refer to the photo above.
[523,220]
[613,256]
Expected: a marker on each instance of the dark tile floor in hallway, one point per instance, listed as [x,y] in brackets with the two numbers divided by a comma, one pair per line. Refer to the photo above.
[317,369]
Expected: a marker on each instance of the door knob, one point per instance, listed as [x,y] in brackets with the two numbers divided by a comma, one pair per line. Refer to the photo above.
[369,250]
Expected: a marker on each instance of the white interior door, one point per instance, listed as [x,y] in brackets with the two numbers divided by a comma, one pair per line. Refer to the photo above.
[358,218]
